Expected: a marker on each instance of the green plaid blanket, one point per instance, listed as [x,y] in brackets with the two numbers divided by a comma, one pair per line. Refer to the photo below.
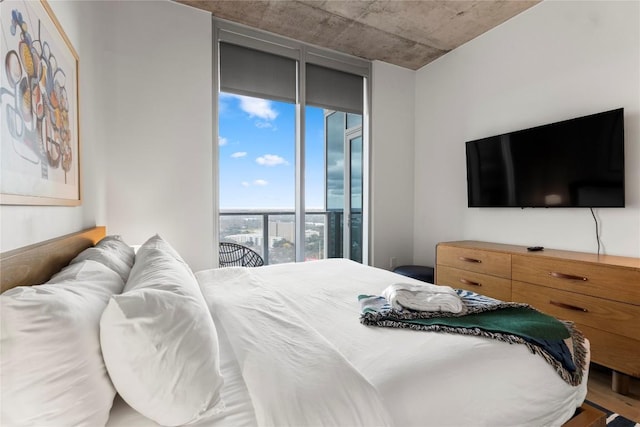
[558,342]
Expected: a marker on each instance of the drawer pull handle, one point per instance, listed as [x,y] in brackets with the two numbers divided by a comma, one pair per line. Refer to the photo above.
[567,276]
[568,306]
[465,259]
[469,282]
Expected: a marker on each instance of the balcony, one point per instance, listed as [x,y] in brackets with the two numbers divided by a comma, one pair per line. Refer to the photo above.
[272,233]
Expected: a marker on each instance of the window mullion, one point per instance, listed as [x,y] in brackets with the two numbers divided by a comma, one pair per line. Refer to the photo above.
[300,158]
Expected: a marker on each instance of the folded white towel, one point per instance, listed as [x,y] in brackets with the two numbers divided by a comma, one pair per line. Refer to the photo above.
[423,297]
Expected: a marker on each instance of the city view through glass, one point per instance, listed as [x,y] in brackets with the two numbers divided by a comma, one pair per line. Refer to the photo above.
[257,178]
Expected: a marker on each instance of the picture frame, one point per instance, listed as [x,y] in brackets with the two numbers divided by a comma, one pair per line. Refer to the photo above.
[39,114]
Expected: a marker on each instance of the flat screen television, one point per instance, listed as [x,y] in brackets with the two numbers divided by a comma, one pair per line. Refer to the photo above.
[572,163]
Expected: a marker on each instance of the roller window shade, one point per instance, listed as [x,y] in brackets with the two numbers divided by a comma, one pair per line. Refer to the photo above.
[333,89]
[250,72]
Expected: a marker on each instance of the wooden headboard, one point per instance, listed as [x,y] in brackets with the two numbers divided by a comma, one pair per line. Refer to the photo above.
[35,264]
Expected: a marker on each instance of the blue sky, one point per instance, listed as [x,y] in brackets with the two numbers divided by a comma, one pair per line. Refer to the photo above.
[257,154]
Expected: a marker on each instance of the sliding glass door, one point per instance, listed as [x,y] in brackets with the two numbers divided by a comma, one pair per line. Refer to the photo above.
[343,189]
[354,209]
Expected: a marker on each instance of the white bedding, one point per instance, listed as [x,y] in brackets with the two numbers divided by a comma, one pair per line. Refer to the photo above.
[294,353]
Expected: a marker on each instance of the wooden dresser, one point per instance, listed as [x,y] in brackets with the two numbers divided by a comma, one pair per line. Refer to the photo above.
[601,294]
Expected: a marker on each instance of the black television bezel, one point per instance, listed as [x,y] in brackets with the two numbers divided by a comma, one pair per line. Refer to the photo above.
[618,111]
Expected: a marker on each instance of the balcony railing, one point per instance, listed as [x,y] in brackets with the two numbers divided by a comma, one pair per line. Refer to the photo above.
[272,233]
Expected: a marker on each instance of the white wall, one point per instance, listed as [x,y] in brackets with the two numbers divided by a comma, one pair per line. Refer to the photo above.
[392,164]
[557,60]
[24,225]
[146,128]
[159,154]
[146,131]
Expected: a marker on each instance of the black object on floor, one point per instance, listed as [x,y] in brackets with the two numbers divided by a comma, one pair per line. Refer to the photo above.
[613,419]
[419,272]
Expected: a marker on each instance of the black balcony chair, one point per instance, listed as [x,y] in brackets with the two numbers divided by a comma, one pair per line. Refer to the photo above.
[233,254]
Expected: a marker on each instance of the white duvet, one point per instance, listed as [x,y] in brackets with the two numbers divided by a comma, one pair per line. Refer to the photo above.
[296,355]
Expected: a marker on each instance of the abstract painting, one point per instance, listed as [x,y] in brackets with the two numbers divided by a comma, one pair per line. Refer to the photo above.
[39,123]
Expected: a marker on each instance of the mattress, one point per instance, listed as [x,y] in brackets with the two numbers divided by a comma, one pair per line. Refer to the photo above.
[294,353]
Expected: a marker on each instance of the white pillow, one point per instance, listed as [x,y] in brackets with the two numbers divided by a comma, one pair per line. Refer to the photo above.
[111,251]
[159,342]
[119,248]
[52,371]
[156,243]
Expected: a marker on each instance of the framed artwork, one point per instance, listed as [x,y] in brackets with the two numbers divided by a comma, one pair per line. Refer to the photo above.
[39,122]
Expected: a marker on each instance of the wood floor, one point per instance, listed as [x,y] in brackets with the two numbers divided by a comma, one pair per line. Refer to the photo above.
[600,393]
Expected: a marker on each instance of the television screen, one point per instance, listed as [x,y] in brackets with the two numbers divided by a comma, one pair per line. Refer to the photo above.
[573,163]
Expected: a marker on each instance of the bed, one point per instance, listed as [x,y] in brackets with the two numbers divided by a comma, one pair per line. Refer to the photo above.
[287,349]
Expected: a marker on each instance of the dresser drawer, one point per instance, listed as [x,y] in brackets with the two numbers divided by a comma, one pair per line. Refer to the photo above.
[480,261]
[613,351]
[491,286]
[609,316]
[598,280]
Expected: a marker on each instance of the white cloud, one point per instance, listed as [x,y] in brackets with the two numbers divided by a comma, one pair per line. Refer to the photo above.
[239,154]
[260,182]
[222,141]
[245,184]
[271,160]
[256,107]
[261,124]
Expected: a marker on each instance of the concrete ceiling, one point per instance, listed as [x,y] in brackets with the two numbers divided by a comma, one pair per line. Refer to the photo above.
[402,32]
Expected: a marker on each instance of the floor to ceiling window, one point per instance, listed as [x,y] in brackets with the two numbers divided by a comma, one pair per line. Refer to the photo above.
[257,172]
[292,147]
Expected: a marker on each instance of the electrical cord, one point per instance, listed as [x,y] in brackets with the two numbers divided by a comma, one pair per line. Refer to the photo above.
[597,232]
